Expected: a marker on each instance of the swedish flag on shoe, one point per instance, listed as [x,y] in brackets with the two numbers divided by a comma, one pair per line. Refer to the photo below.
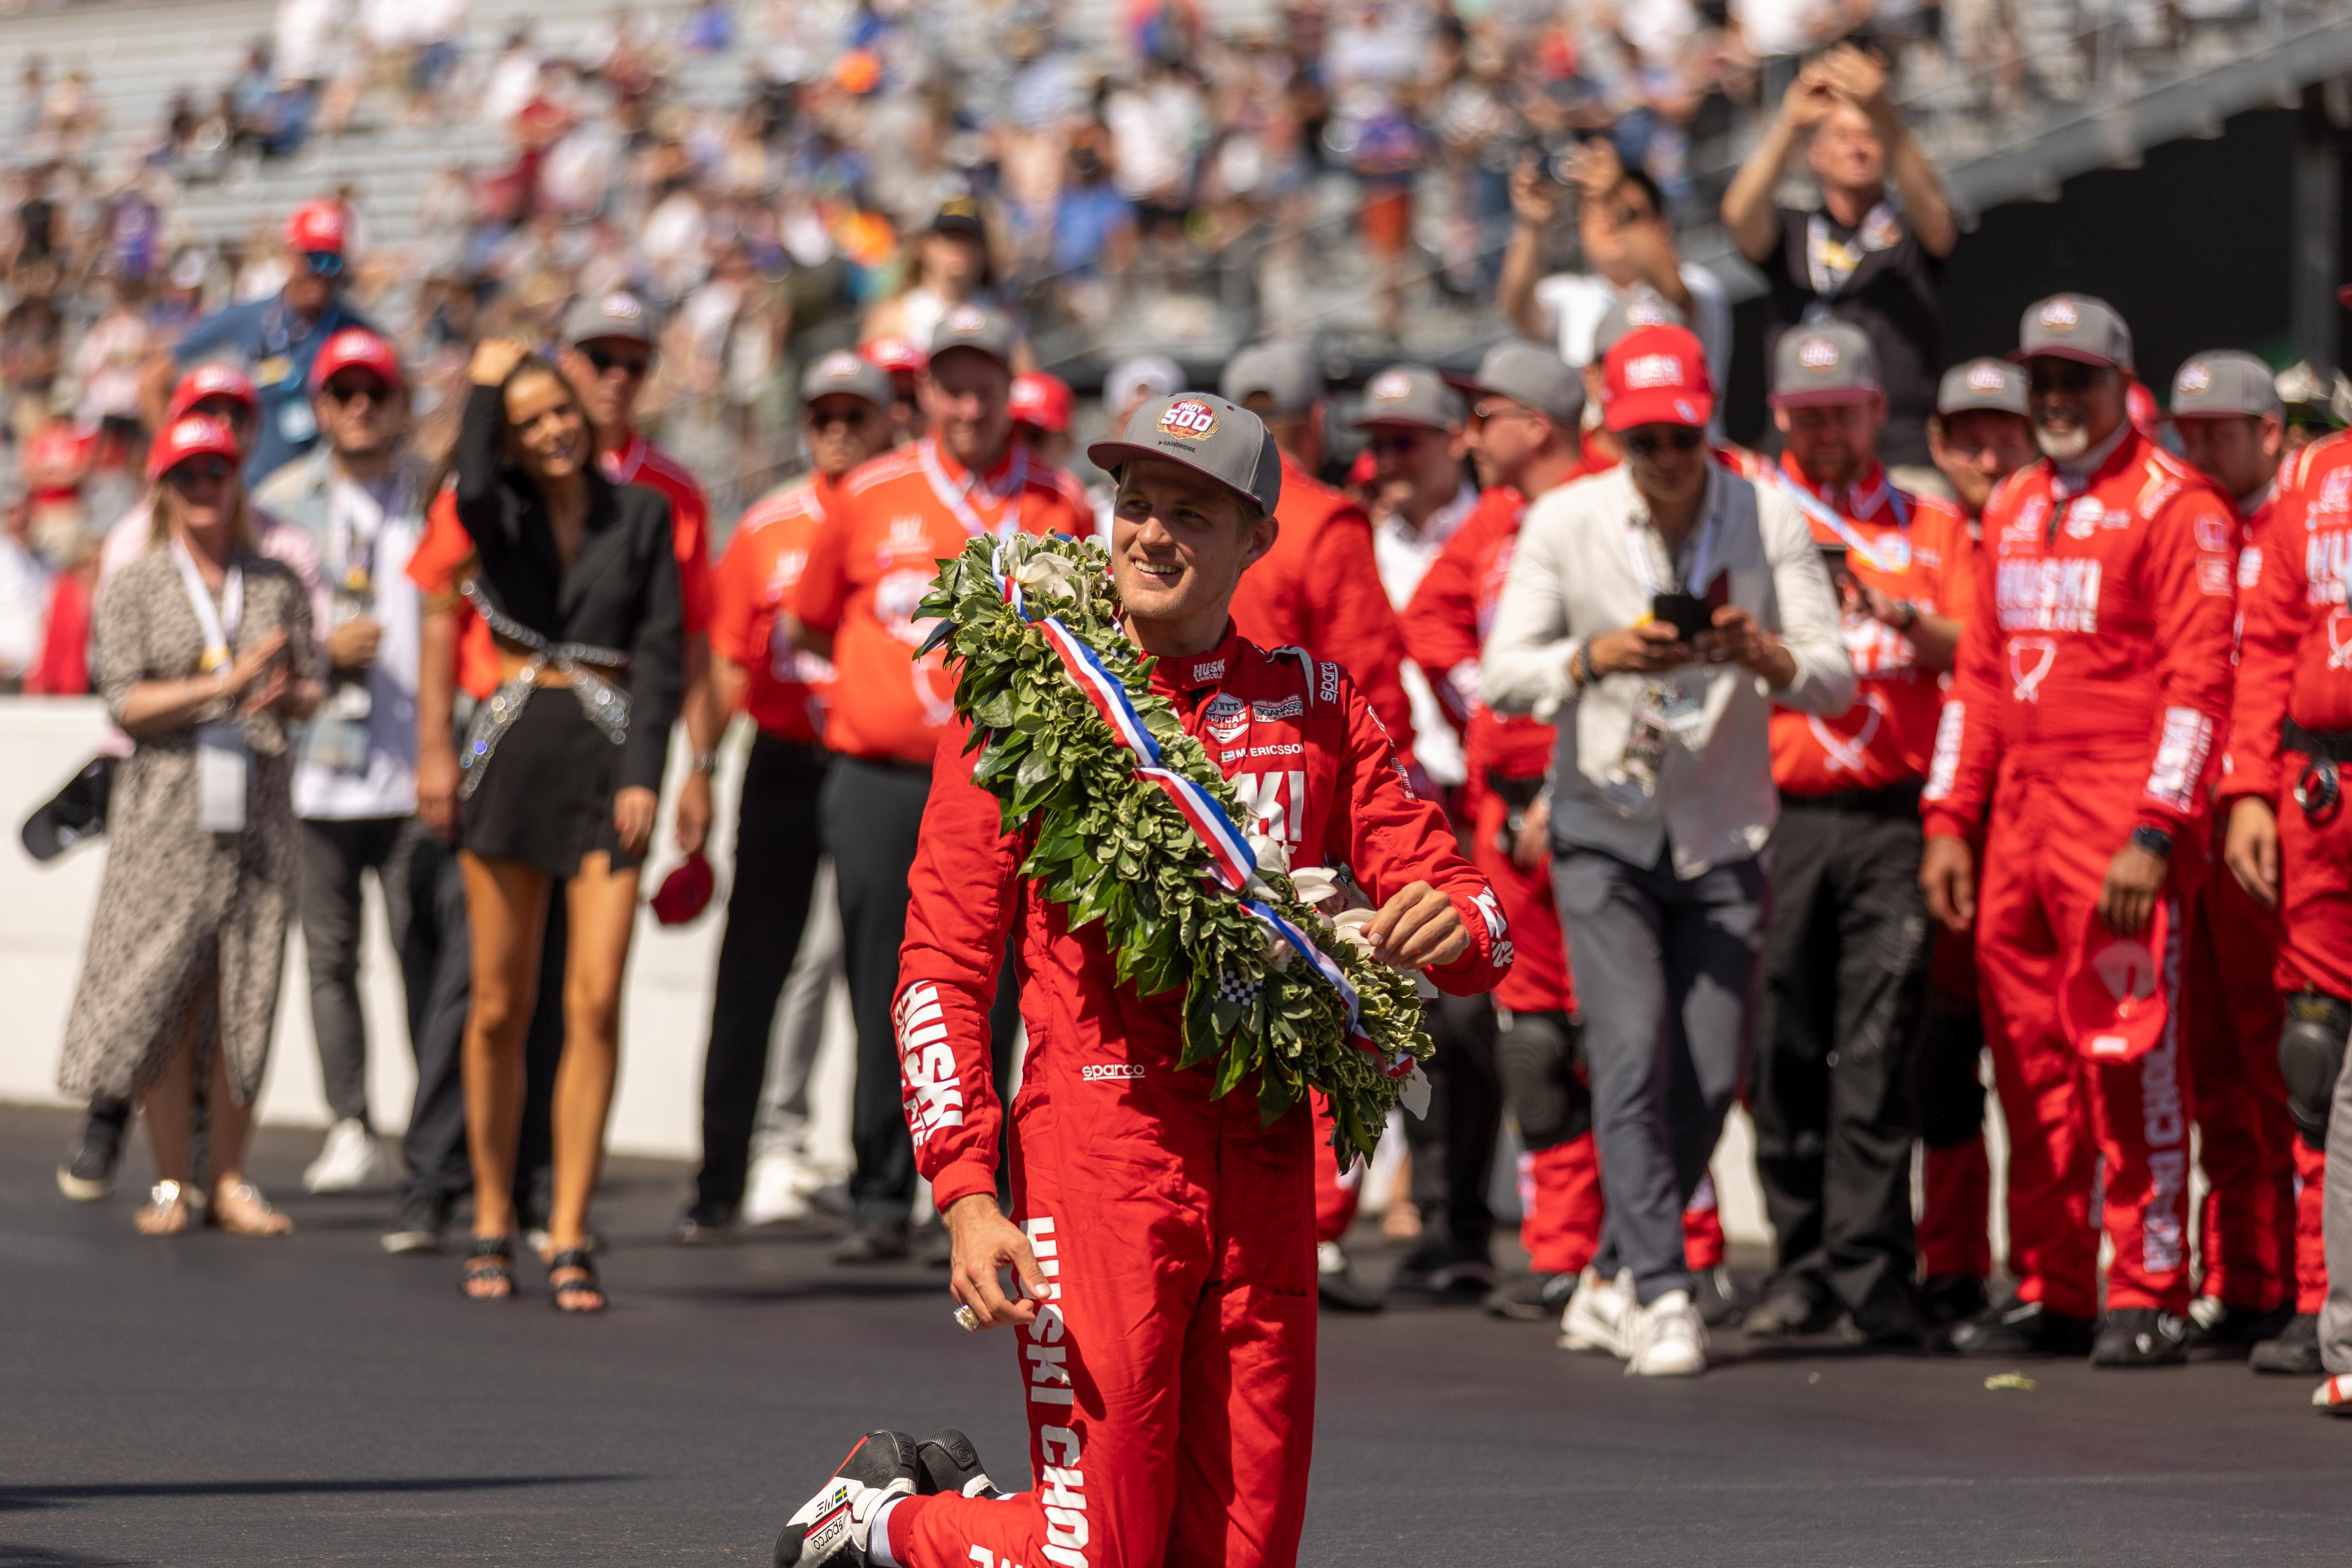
[835,1525]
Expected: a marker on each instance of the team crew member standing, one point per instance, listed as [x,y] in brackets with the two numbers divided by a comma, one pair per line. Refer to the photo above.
[1319,589]
[846,420]
[2290,842]
[2081,735]
[1160,1234]
[1662,796]
[896,519]
[2226,410]
[1845,960]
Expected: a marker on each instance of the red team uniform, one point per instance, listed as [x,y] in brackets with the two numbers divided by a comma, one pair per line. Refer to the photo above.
[2092,693]
[1176,1233]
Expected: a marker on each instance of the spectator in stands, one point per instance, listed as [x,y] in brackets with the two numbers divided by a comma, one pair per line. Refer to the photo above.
[951,267]
[24,594]
[1873,254]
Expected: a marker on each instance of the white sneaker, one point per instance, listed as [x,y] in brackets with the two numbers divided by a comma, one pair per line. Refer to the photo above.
[353,1162]
[1666,1339]
[1596,1317]
[775,1196]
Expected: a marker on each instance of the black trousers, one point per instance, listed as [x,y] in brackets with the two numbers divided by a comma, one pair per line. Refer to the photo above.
[776,855]
[871,814]
[336,856]
[1454,1145]
[1846,976]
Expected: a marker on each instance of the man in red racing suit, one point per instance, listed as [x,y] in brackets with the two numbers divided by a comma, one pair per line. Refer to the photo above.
[2093,690]
[1165,1240]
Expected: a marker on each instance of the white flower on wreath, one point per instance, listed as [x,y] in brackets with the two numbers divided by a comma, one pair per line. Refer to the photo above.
[1045,572]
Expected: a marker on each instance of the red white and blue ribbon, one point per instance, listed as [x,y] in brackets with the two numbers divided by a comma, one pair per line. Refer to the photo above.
[1327,967]
[1231,859]
[1102,688]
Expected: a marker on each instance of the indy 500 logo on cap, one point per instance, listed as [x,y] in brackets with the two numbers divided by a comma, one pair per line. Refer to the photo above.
[623,306]
[1984,378]
[1652,370]
[840,365]
[1188,419]
[2060,314]
[2195,376]
[1389,386]
[965,318]
[1818,354]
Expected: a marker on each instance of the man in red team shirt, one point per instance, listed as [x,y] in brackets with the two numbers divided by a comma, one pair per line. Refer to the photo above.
[613,340]
[2232,426]
[845,421]
[1319,589]
[2289,842]
[2093,681]
[892,521]
[1166,1331]
[1845,959]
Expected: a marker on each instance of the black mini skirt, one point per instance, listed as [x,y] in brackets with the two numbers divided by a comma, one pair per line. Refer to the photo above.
[546,795]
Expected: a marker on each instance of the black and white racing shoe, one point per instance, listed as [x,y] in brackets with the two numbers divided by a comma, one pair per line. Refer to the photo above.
[947,1462]
[2014,1328]
[835,1525]
[2140,1336]
[2296,1351]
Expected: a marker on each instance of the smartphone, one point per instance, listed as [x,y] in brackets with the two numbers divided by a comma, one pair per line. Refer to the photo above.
[1687,613]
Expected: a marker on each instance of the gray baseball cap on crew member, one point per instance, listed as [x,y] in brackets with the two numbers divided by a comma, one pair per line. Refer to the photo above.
[1990,384]
[1829,363]
[1287,375]
[2077,327]
[1204,433]
[1410,394]
[1143,375]
[1533,377]
[843,374]
[2222,382]
[619,314]
[972,327]
[1623,315]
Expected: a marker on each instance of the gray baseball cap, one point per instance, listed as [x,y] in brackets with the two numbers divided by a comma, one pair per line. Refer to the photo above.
[1534,377]
[1990,384]
[1410,394]
[1285,374]
[1623,315]
[973,326]
[1832,362]
[2075,327]
[2222,382]
[1204,433]
[1140,377]
[843,374]
[619,314]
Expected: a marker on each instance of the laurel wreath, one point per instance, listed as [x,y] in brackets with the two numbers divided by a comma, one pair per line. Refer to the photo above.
[1113,849]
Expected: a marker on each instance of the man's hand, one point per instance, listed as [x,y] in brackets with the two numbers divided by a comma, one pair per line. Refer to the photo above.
[1596,170]
[1736,638]
[1419,928]
[1858,77]
[1644,650]
[1810,97]
[1948,875]
[437,788]
[2251,850]
[981,1241]
[1535,196]
[692,826]
[633,818]
[352,645]
[2134,878]
[1532,847]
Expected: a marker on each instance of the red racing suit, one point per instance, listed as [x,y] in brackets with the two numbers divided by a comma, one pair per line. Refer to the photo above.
[1171,1372]
[2295,663]
[2093,695]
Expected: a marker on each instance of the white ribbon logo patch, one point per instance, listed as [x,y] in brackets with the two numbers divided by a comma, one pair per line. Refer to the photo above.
[1848,753]
[2030,659]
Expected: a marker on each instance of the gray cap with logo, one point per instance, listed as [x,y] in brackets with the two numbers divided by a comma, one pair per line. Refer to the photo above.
[1829,363]
[1624,315]
[1410,394]
[974,326]
[1533,377]
[2222,382]
[1287,375]
[2077,327]
[1207,433]
[1133,379]
[619,314]
[843,374]
[1988,385]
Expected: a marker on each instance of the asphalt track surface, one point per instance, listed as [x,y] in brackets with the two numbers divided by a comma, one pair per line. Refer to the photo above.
[211,1400]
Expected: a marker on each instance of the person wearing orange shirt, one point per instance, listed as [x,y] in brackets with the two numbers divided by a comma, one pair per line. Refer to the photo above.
[1845,959]
[845,421]
[894,521]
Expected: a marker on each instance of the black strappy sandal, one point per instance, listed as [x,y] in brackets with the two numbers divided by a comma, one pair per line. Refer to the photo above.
[566,1291]
[489,1259]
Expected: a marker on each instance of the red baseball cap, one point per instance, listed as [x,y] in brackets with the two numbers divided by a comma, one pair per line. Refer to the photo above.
[192,436]
[2113,1000]
[2140,407]
[684,892]
[1656,376]
[896,355]
[316,226]
[1044,401]
[356,347]
[212,381]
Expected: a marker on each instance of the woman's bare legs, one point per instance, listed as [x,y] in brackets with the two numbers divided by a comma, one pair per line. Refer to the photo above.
[601,904]
[236,1207]
[506,906]
[169,1108]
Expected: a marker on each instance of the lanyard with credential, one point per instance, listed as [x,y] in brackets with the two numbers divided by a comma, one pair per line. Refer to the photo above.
[217,626]
[1702,557]
[1828,516]
[952,498]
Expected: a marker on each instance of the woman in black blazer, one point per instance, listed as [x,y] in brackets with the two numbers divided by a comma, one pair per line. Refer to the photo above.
[560,770]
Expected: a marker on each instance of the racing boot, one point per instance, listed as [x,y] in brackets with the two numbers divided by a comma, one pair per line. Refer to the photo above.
[1949,1298]
[2217,1329]
[837,1525]
[2294,1352]
[2016,1328]
[2140,1336]
[1336,1282]
[1531,1298]
[947,1462]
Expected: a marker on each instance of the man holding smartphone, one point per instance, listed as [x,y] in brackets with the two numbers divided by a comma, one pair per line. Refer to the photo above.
[1656,613]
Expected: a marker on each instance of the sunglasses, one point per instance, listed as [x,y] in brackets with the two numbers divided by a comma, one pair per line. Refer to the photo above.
[606,362]
[2063,376]
[1397,441]
[347,392]
[1678,439]
[209,469]
[1501,408]
[322,263]
[826,418]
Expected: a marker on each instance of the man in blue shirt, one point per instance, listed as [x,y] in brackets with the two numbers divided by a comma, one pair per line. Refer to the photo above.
[275,339]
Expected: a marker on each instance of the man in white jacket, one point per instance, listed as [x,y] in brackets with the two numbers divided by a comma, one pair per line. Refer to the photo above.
[1658,611]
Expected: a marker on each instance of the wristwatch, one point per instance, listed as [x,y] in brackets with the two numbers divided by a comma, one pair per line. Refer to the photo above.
[1580,669]
[1906,615]
[2153,839]
[704,763]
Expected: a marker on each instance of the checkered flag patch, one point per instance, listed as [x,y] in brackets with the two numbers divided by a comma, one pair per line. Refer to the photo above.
[1241,992]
